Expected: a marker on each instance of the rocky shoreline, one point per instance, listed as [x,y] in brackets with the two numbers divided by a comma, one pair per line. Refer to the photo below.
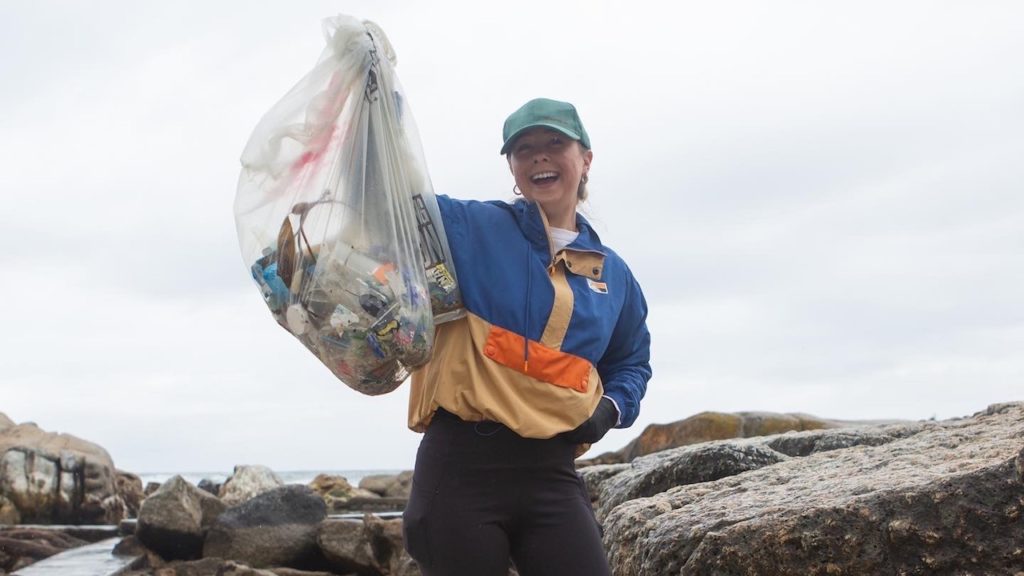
[747,493]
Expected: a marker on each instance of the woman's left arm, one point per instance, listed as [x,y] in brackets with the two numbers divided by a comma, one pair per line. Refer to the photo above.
[625,367]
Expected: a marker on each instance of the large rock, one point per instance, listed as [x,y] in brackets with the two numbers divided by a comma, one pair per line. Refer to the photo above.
[368,546]
[388,485]
[129,488]
[247,482]
[57,478]
[709,426]
[934,498]
[210,485]
[389,547]
[655,473]
[276,528]
[688,465]
[337,492]
[173,520]
[346,546]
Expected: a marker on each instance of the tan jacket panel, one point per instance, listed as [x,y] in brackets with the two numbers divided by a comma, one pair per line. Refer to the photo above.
[464,381]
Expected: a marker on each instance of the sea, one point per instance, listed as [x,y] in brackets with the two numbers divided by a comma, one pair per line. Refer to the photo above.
[288,476]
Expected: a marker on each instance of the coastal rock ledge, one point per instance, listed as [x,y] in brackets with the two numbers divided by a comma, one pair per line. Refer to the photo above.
[925,498]
[52,478]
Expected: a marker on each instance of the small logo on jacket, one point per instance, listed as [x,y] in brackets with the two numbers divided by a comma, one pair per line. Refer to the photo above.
[599,287]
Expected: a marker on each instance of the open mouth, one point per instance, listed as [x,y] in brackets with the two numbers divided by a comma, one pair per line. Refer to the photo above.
[542,178]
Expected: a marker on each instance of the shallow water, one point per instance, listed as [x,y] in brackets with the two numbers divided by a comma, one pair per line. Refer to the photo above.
[90,560]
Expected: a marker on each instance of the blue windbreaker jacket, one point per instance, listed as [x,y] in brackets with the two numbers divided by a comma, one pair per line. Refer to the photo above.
[545,335]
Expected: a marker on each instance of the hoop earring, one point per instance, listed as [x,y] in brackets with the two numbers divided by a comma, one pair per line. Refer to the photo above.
[586,178]
[515,190]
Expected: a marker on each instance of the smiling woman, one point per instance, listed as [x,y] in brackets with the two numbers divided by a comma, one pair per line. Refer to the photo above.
[553,352]
[549,154]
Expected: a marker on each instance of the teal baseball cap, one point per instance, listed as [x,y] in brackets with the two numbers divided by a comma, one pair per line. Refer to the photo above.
[553,114]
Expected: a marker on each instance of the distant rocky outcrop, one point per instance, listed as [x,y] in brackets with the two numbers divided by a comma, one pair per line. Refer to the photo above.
[927,498]
[709,426]
[50,478]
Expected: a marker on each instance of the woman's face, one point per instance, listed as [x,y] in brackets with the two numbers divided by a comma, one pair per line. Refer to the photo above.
[548,166]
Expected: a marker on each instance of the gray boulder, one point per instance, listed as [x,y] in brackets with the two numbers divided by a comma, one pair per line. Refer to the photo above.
[337,492]
[346,546]
[655,473]
[276,528]
[368,546]
[936,498]
[595,476]
[129,488]
[388,485]
[149,489]
[173,520]
[209,485]
[247,482]
[57,478]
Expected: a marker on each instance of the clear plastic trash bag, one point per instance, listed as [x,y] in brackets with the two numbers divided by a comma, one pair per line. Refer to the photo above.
[337,218]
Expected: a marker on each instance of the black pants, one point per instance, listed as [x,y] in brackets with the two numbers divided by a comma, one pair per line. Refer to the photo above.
[481,494]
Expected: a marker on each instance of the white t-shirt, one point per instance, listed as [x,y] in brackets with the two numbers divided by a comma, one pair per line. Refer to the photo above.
[560,238]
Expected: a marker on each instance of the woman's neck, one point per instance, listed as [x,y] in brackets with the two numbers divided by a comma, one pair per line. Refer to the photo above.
[564,219]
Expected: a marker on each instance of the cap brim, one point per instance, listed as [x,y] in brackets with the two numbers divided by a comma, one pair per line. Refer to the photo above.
[511,139]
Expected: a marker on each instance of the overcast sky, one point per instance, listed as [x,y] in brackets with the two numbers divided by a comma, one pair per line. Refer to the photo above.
[824,203]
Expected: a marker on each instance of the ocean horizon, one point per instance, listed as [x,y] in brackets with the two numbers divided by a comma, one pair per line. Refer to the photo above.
[286,476]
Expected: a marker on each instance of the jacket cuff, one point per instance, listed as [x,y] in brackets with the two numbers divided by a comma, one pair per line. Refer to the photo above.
[618,412]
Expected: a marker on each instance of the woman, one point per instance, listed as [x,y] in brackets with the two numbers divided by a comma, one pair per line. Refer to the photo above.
[553,352]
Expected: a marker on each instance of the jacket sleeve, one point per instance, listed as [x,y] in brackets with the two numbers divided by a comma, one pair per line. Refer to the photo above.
[625,366]
[452,217]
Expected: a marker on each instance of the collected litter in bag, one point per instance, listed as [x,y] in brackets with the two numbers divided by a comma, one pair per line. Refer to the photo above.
[337,218]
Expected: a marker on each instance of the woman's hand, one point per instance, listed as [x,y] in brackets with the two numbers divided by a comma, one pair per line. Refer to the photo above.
[600,422]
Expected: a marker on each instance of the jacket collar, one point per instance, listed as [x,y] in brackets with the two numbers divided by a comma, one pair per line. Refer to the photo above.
[532,225]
